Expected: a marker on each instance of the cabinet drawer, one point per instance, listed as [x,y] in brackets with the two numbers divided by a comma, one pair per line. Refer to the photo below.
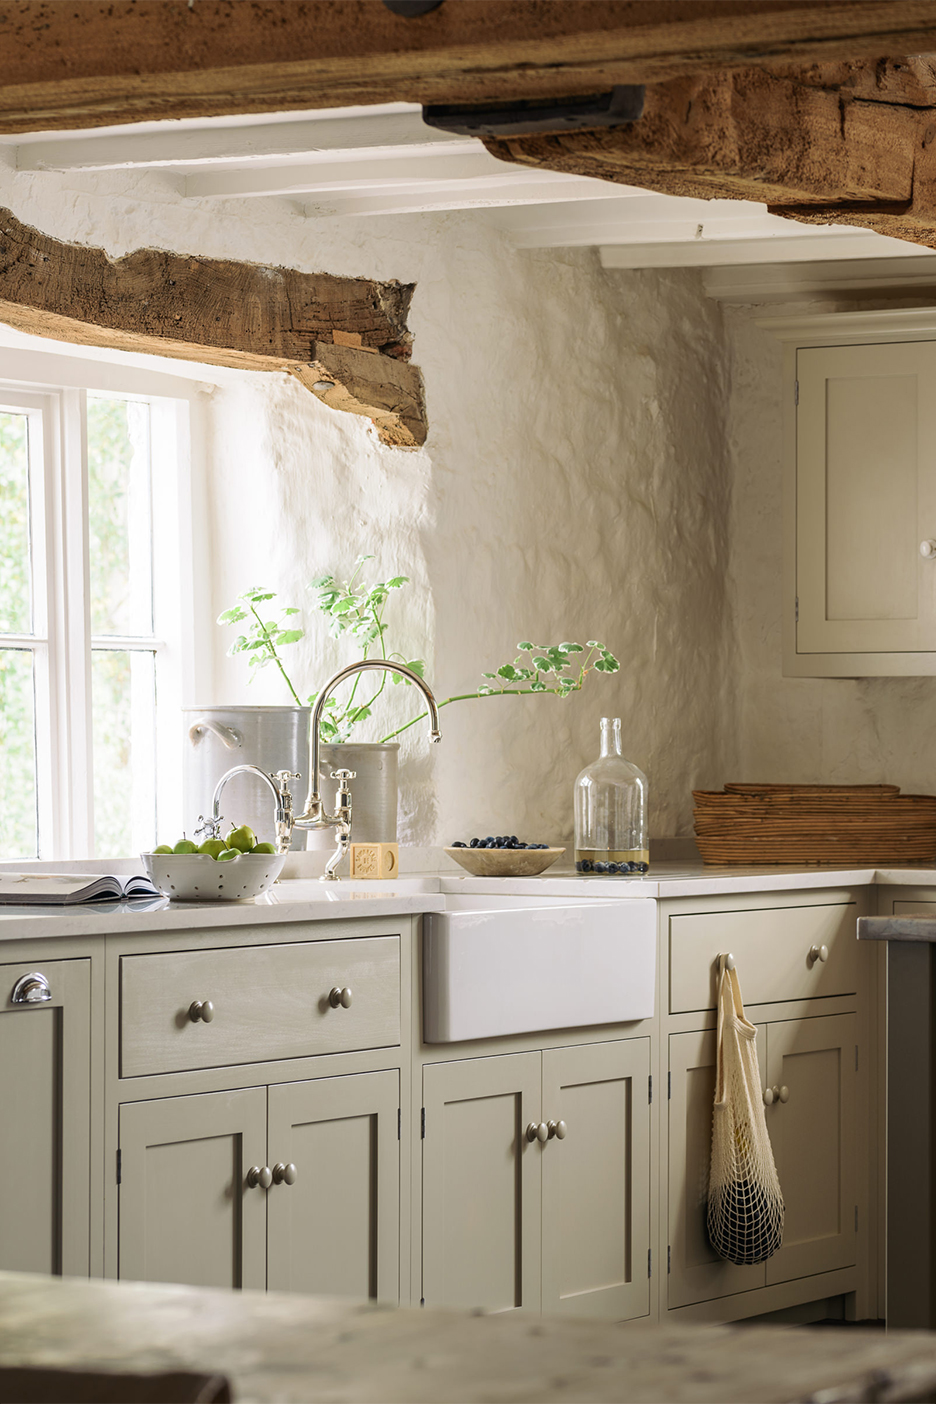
[269,1002]
[771,951]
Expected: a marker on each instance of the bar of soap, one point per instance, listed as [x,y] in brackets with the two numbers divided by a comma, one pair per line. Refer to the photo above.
[374,860]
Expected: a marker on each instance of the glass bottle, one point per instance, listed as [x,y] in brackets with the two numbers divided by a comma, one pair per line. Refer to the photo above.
[610,808]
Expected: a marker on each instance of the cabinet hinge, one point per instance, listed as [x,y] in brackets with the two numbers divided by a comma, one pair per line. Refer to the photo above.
[649,1262]
[650,1088]
[669,1086]
[669,1258]
[796,392]
[796,611]
[422,1123]
[118,1167]
[399,1122]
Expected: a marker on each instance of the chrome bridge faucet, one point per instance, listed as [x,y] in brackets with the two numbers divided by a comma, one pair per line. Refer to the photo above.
[278,782]
[315,815]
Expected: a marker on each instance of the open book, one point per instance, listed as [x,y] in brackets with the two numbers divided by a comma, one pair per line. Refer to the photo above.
[63,889]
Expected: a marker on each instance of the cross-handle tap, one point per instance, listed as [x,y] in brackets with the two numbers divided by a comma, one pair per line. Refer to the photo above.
[278,782]
[315,816]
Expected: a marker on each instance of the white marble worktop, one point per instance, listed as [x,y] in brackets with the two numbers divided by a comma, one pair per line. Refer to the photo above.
[307,899]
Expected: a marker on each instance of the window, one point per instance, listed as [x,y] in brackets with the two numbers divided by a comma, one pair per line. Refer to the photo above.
[92,577]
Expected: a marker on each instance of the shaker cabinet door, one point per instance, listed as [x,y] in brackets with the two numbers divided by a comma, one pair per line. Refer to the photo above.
[187,1211]
[596,1180]
[45,1121]
[334,1217]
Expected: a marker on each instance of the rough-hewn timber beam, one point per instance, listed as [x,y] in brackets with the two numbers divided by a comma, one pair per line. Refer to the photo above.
[847,143]
[108,61]
[348,335]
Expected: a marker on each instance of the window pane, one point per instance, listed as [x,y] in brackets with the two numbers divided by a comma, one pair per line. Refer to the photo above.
[120,517]
[15,602]
[123,702]
[18,827]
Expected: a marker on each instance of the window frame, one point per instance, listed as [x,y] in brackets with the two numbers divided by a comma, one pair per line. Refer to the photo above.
[53,389]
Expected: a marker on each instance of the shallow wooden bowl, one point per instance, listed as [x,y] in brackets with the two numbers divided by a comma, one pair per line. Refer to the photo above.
[505,862]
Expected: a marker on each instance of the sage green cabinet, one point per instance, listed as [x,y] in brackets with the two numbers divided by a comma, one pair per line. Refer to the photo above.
[45,1121]
[514,1221]
[813,1136]
[190,1210]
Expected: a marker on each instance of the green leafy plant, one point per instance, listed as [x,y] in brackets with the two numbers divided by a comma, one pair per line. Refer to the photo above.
[356,608]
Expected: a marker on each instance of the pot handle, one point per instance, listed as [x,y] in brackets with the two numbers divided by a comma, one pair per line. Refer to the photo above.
[226,734]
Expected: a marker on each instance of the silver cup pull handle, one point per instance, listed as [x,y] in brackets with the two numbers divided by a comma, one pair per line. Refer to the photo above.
[33,988]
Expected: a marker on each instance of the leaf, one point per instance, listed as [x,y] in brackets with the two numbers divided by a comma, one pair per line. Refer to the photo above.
[542,665]
[232,616]
[291,610]
[417,666]
[485,691]
[605,665]
[320,582]
[527,647]
[593,643]
[258,596]
[288,636]
[489,675]
[508,671]
[397,581]
[571,648]
[538,687]
[342,606]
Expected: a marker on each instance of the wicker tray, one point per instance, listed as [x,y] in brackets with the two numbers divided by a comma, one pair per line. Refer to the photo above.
[855,825]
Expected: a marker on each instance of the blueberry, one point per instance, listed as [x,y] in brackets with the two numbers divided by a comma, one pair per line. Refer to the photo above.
[489,839]
[586,865]
[513,838]
[614,867]
[458,844]
[579,867]
[473,843]
[601,867]
[643,867]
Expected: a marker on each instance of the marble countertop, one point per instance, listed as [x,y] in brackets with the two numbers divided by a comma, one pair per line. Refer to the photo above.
[289,1349]
[307,899]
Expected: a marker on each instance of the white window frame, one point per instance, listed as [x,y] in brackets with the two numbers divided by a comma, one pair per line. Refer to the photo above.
[52,389]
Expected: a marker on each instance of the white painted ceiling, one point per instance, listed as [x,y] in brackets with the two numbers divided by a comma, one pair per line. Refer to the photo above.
[376,162]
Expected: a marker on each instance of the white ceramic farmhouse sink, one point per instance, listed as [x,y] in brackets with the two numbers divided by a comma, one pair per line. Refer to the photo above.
[509,965]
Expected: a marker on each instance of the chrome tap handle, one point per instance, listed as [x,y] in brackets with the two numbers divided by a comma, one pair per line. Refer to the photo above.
[343,797]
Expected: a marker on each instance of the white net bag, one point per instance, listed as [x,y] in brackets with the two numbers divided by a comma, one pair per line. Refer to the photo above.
[745,1205]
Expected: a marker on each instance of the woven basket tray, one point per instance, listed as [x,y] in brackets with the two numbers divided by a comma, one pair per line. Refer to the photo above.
[855,825]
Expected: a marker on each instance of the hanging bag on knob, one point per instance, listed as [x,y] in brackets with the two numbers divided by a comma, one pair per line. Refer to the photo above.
[745,1204]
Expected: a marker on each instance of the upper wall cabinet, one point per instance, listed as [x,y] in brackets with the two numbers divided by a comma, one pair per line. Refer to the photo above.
[860,495]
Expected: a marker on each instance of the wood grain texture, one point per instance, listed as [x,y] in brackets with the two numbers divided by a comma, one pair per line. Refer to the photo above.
[283,1348]
[132,60]
[226,313]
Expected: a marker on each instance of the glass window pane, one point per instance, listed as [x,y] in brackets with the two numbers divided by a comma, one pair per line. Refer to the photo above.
[123,703]
[18,825]
[15,602]
[120,517]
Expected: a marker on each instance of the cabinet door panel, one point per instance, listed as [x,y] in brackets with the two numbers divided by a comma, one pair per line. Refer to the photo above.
[697,1274]
[186,1212]
[482,1183]
[45,1110]
[813,1139]
[336,1230]
[596,1180]
[866,423]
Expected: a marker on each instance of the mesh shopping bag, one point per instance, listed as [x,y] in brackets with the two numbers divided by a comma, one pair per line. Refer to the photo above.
[745,1205]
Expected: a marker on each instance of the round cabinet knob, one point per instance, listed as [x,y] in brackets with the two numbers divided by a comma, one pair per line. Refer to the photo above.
[776,1094]
[201,1009]
[928,549]
[340,998]
[557,1129]
[537,1131]
[260,1175]
[768,1096]
[31,989]
[284,1174]
[818,953]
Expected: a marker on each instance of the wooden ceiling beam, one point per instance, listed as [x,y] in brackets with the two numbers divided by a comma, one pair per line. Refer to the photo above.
[850,143]
[115,61]
[344,338]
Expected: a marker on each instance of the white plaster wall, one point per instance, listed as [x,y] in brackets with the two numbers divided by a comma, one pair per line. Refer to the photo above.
[575,485]
[801,730]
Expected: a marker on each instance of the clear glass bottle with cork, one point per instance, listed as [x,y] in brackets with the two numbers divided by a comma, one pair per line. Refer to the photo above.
[611,810]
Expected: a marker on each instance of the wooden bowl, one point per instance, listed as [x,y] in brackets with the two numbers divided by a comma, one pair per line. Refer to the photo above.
[505,862]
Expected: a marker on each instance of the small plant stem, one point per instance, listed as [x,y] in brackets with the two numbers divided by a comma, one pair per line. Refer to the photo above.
[275,656]
[470,696]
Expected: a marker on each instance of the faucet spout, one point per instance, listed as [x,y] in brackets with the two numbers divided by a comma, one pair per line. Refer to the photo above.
[314,815]
[279,786]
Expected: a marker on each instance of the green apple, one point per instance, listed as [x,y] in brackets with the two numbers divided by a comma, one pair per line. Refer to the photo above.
[185,846]
[162,848]
[228,854]
[243,838]
[263,848]
[213,847]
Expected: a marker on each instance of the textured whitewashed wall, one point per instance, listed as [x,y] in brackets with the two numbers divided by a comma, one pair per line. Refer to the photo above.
[806,730]
[575,485]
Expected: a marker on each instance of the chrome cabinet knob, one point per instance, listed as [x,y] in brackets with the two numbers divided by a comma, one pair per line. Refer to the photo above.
[928,549]
[201,1009]
[818,953]
[776,1094]
[340,998]
[557,1129]
[33,988]
[537,1131]
[260,1175]
[284,1174]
